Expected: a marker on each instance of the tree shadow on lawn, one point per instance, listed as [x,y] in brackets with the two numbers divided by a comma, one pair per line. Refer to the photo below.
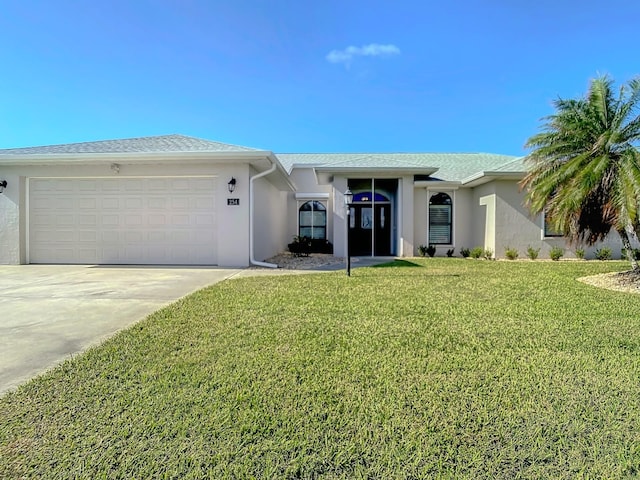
[401,264]
[398,263]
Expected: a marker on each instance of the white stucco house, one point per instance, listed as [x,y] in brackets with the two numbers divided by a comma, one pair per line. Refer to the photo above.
[178,200]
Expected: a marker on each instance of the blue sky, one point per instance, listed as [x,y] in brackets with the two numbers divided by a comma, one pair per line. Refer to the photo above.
[305,76]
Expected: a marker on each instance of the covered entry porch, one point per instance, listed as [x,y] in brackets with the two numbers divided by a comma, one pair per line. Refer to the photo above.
[373,217]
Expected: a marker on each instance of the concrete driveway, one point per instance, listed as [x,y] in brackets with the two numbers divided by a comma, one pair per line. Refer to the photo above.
[49,312]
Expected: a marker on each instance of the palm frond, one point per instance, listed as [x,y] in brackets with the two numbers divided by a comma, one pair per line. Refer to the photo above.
[584,164]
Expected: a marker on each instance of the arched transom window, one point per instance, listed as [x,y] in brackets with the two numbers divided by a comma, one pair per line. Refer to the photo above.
[312,220]
[440,224]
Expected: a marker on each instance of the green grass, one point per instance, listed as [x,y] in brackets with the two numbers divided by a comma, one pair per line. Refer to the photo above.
[433,368]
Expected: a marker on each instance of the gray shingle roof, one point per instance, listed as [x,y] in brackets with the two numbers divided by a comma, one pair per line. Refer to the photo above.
[451,166]
[160,144]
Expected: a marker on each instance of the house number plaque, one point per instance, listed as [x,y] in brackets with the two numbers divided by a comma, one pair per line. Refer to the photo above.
[233,201]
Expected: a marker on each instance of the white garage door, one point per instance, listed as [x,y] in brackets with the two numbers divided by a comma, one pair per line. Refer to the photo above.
[163,221]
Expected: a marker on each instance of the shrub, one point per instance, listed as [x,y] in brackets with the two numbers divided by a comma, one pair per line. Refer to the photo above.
[635,253]
[532,253]
[555,253]
[320,245]
[450,252]
[300,247]
[476,252]
[304,246]
[424,250]
[511,253]
[487,253]
[603,253]
[465,252]
[580,253]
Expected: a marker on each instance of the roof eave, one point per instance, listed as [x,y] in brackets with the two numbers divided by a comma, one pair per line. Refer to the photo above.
[437,183]
[488,176]
[324,175]
[378,170]
[280,178]
[134,157]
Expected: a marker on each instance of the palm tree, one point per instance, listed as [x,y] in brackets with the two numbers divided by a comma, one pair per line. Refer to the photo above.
[584,167]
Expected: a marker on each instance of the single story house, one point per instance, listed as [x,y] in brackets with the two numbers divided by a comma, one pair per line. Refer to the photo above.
[179,200]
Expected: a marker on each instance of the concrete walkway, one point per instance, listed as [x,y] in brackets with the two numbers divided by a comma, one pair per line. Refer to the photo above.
[50,312]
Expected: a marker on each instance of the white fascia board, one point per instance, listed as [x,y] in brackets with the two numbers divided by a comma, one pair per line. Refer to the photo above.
[484,177]
[280,177]
[137,157]
[364,172]
[304,166]
[312,196]
[432,184]
[324,175]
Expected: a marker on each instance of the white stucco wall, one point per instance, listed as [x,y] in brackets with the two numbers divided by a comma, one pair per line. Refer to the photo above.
[501,203]
[420,229]
[270,220]
[233,220]
[10,218]
[306,185]
[338,217]
[483,214]
[462,219]
[406,247]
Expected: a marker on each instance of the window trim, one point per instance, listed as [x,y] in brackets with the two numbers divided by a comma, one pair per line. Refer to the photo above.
[325,227]
[451,195]
[546,233]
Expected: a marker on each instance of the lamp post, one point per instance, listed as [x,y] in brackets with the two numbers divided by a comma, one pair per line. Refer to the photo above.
[348,198]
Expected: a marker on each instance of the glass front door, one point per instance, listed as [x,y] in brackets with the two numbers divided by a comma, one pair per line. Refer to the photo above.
[370,229]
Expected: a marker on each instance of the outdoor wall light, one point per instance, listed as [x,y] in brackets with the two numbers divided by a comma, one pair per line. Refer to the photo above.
[3,185]
[232,185]
[348,199]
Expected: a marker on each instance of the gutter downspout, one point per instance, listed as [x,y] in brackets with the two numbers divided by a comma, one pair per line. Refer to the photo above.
[252,259]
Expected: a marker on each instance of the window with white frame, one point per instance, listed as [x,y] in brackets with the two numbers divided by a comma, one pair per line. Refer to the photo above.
[440,219]
[548,230]
[312,220]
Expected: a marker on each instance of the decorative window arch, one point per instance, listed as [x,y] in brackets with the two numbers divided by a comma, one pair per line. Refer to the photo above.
[440,219]
[312,220]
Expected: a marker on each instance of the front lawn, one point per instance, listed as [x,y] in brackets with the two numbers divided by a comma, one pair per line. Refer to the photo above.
[431,368]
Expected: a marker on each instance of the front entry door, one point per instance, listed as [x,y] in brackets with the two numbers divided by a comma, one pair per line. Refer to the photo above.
[370,230]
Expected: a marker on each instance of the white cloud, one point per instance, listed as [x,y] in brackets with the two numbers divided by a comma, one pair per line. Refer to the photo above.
[372,50]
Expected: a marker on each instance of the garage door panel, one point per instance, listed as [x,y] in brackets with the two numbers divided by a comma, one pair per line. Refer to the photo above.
[87,220]
[136,203]
[180,202]
[157,203]
[90,236]
[110,220]
[87,185]
[65,220]
[110,203]
[133,184]
[123,221]
[114,185]
[180,184]
[85,203]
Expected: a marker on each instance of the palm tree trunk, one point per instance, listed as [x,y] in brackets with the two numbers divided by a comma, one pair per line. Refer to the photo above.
[626,244]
